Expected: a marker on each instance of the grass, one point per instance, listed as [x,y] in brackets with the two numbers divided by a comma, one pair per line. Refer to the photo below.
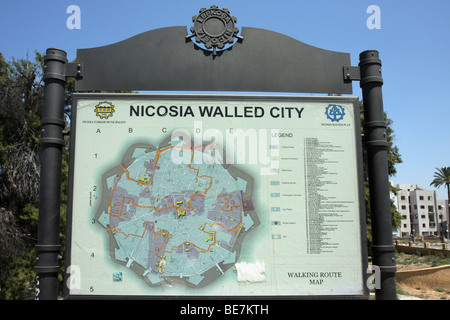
[442,290]
[433,261]
[419,262]
[436,261]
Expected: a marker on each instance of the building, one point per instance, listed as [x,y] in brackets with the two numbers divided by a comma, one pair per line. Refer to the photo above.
[423,214]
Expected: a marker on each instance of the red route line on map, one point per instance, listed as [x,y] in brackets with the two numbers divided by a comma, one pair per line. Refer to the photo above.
[158,152]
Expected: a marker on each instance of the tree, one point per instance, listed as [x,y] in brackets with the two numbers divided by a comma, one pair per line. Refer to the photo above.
[394,158]
[442,178]
[20,105]
[21,102]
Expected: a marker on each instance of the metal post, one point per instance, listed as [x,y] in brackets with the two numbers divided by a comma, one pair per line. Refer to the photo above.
[383,250]
[52,141]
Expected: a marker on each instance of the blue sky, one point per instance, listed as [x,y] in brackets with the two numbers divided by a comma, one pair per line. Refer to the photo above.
[413,43]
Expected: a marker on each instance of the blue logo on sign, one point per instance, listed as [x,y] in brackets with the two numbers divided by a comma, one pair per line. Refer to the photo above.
[335,112]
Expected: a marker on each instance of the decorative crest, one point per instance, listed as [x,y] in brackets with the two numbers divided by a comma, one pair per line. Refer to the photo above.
[214,28]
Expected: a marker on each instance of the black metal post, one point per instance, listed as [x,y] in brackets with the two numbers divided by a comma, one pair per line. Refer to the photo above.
[52,141]
[383,250]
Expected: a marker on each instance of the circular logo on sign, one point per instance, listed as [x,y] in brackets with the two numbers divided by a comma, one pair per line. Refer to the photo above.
[104,110]
[214,28]
[335,112]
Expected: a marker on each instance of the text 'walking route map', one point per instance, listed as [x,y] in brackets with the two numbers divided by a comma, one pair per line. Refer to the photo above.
[172,220]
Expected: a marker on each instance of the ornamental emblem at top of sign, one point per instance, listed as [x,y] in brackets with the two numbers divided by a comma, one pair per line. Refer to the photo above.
[214,28]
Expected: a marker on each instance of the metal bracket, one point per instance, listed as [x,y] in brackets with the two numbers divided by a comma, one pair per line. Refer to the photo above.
[74,70]
[352,73]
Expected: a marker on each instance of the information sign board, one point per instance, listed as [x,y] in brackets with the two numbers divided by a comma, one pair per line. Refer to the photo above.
[215,195]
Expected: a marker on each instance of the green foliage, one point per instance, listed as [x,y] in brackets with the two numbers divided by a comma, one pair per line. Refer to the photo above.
[394,158]
[21,283]
[432,260]
[21,102]
[442,178]
[436,261]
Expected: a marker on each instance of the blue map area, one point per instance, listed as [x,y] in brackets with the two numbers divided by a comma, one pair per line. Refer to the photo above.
[172,219]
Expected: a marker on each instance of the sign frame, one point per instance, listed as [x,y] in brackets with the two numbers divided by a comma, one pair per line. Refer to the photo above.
[220,98]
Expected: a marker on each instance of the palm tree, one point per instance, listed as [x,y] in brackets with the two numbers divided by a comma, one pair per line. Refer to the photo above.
[442,177]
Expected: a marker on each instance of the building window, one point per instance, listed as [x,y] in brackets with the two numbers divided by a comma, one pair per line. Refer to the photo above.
[421,198]
[422,207]
[403,207]
[429,198]
[403,198]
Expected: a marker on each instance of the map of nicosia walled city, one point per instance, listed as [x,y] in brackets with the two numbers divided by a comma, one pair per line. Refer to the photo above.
[171,221]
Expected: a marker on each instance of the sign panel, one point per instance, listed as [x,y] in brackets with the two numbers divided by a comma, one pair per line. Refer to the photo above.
[215,195]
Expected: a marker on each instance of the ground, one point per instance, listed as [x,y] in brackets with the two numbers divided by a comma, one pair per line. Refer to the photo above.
[421,290]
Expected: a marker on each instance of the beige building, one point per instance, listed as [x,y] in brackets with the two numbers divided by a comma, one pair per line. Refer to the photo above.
[423,214]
